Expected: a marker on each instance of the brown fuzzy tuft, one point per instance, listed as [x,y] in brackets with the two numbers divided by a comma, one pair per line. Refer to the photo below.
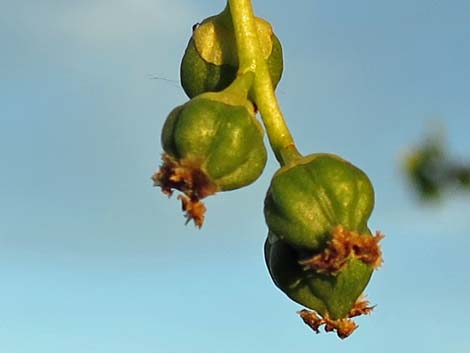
[361,307]
[187,177]
[343,244]
[343,327]
[195,210]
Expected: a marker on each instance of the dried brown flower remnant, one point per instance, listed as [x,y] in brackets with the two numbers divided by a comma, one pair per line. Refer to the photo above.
[343,327]
[361,307]
[187,177]
[343,244]
[195,210]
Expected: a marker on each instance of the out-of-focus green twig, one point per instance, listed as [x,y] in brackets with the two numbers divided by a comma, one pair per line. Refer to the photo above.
[431,170]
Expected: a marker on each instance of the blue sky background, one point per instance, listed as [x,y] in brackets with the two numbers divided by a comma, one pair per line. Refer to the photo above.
[93,259]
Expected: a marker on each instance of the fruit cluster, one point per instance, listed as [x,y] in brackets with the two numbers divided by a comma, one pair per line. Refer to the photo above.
[319,251]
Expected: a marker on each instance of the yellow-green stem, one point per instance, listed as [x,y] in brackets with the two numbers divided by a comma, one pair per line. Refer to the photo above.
[251,59]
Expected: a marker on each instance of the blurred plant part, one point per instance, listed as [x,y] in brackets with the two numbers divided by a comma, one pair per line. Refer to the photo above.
[432,171]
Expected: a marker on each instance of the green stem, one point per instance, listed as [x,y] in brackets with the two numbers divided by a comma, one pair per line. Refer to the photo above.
[251,59]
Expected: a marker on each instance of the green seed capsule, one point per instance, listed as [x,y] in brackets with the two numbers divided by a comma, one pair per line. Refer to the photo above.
[226,140]
[329,295]
[210,62]
[319,250]
[309,198]
[212,143]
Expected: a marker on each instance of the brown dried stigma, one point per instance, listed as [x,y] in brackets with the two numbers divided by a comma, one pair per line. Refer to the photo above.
[343,327]
[187,177]
[341,247]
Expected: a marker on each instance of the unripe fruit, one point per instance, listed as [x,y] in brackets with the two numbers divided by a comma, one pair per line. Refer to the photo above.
[332,296]
[212,143]
[310,197]
[210,61]
[319,250]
